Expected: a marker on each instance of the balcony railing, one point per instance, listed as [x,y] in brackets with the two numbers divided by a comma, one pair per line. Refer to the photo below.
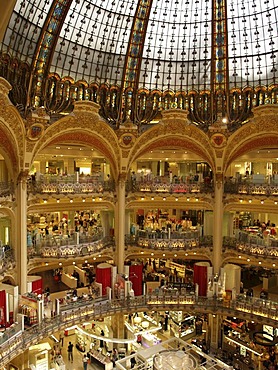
[251,189]
[6,190]
[252,246]
[16,341]
[164,186]
[71,249]
[90,186]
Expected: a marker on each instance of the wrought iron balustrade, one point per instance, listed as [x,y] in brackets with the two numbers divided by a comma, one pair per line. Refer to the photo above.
[19,340]
[161,186]
[251,189]
[7,190]
[71,249]
[252,245]
[70,186]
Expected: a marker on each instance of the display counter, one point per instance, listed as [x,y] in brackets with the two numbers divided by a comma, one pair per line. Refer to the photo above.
[99,359]
[70,281]
[149,339]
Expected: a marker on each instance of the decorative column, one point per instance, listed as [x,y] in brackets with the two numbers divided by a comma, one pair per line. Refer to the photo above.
[120,226]
[217,223]
[214,327]
[21,231]
[118,327]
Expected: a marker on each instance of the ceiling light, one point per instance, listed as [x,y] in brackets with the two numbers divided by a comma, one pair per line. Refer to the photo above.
[60,263]
[177,199]
[164,198]
[273,265]
[262,201]
[250,200]
[142,198]
[152,198]
[163,255]
[248,259]
[241,200]
[45,201]
[187,199]
[73,262]
[83,200]
[197,199]
[260,263]
[71,200]
[100,198]
[58,200]
[94,199]
[275,202]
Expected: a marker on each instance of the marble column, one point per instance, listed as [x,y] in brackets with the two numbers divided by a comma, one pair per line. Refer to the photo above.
[217,224]
[120,227]
[21,232]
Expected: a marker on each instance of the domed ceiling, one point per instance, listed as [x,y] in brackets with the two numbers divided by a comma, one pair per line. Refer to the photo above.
[181,46]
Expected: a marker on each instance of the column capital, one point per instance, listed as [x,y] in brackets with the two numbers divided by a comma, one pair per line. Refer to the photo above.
[22,176]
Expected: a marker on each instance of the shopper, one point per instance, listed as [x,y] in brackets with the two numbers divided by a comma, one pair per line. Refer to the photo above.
[70,350]
[85,362]
[61,338]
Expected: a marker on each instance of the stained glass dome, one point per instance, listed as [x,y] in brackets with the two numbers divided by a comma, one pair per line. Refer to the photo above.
[136,58]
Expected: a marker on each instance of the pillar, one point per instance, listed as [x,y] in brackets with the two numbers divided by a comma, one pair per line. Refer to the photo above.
[21,231]
[214,334]
[232,277]
[127,222]
[217,223]
[120,226]
[104,218]
[104,276]
[208,223]
[201,277]
[118,327]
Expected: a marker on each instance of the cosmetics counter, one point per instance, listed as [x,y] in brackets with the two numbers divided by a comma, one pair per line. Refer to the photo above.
[102,361]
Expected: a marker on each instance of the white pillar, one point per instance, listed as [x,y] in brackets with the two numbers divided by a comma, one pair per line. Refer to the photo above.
[120,227]
[21,232]
[232,278]
[217,223]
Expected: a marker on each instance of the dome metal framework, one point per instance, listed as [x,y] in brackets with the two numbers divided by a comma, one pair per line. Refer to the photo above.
[216,59]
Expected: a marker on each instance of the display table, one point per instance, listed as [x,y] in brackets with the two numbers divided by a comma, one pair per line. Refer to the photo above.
[99,359]
[70,281]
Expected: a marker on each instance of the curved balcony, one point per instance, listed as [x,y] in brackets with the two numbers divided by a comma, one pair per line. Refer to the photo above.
[6,193]
[251,189]
[17,340]
[68,248]
[160,185]
[60,185]
[173,241]
[7,260]
[252,246]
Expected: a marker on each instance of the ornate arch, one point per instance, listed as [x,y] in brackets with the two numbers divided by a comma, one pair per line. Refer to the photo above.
[174,131]
[12,131]
[260,132]
[83,126]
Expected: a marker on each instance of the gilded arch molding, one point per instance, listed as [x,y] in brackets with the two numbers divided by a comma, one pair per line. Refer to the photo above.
[12,130]
[260,132]
[174,134]
[84,128]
